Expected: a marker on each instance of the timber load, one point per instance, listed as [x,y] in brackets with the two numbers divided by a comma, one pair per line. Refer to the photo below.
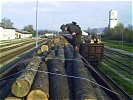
[21,86]
[82,88]
[40,86]
[59,89]
[55,72]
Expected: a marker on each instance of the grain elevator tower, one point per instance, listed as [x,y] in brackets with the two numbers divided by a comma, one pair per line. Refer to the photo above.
[112,18]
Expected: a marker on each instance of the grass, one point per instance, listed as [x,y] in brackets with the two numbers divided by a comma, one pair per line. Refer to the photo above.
[118,45]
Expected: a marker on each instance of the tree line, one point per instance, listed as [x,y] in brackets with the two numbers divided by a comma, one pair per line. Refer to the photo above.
[119,33]
[7,23]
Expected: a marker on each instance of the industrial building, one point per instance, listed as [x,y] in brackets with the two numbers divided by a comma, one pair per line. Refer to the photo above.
[112,18]
[12,33]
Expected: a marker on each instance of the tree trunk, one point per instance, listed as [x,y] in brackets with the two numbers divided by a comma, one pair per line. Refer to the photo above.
[58,84]
[82,88]
[40,86]
[68,67]
[44,48]
[12,98]
[6,89]
[5,84]
[21,86]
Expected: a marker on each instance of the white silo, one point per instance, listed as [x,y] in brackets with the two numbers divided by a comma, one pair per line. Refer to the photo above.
[112,18]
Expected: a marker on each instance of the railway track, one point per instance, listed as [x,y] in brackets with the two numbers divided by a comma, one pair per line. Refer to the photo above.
[15,54]
[14,51]
[104,80]
[118,66]
[9,47]
[127,56]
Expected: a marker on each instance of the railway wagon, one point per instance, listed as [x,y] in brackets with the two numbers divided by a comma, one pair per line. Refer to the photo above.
[92,52]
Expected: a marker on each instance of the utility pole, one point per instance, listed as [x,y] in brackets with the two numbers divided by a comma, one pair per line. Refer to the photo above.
[52,22]
[122,39]
[36,24]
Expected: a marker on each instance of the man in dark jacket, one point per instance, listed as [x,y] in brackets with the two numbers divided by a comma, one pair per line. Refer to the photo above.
[76,33]
[66,34]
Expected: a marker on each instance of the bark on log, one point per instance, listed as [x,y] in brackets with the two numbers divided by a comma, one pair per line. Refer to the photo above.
[50,55]
[6,89]
[21,86]
[5,85]
[68,67]
[60,53]
[40,86]
[58,84]
[12,98]
[82,88]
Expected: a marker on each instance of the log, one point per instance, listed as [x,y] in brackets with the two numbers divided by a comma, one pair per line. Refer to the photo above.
[12,98]
[6,89]
[60,53]
[5,85]
[39,51]
[37,95]
[40,86]
[44,48]
[21,86]
[58,89]
[50,55]
[82,88]
[68,67]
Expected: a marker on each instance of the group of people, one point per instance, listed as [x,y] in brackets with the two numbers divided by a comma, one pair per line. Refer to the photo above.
[75,31]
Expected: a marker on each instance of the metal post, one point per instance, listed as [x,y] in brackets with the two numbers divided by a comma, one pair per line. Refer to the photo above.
[36,24]
[122,39]
[52,22]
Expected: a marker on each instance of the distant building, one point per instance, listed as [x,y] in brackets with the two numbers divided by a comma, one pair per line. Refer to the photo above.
[26,34]
[84,33]
[112,18]
[6,34]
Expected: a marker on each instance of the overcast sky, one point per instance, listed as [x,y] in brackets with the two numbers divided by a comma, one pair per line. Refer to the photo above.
[93,14]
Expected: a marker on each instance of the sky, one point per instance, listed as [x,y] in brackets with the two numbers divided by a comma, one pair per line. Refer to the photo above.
[52,14]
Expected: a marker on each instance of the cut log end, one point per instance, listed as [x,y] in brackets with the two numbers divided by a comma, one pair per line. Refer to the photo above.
[12,98]
[44,48]
[37,95]
[39,51]
[20,87]
[48,58]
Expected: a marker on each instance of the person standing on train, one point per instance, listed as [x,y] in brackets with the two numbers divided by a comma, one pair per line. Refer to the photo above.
[76,33]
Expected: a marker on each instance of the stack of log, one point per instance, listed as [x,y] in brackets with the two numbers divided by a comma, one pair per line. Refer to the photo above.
[21,86]
[6,83]
[40,87]
[59,89]
[55,73]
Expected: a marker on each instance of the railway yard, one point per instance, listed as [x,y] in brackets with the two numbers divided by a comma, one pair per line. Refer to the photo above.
[54,72]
